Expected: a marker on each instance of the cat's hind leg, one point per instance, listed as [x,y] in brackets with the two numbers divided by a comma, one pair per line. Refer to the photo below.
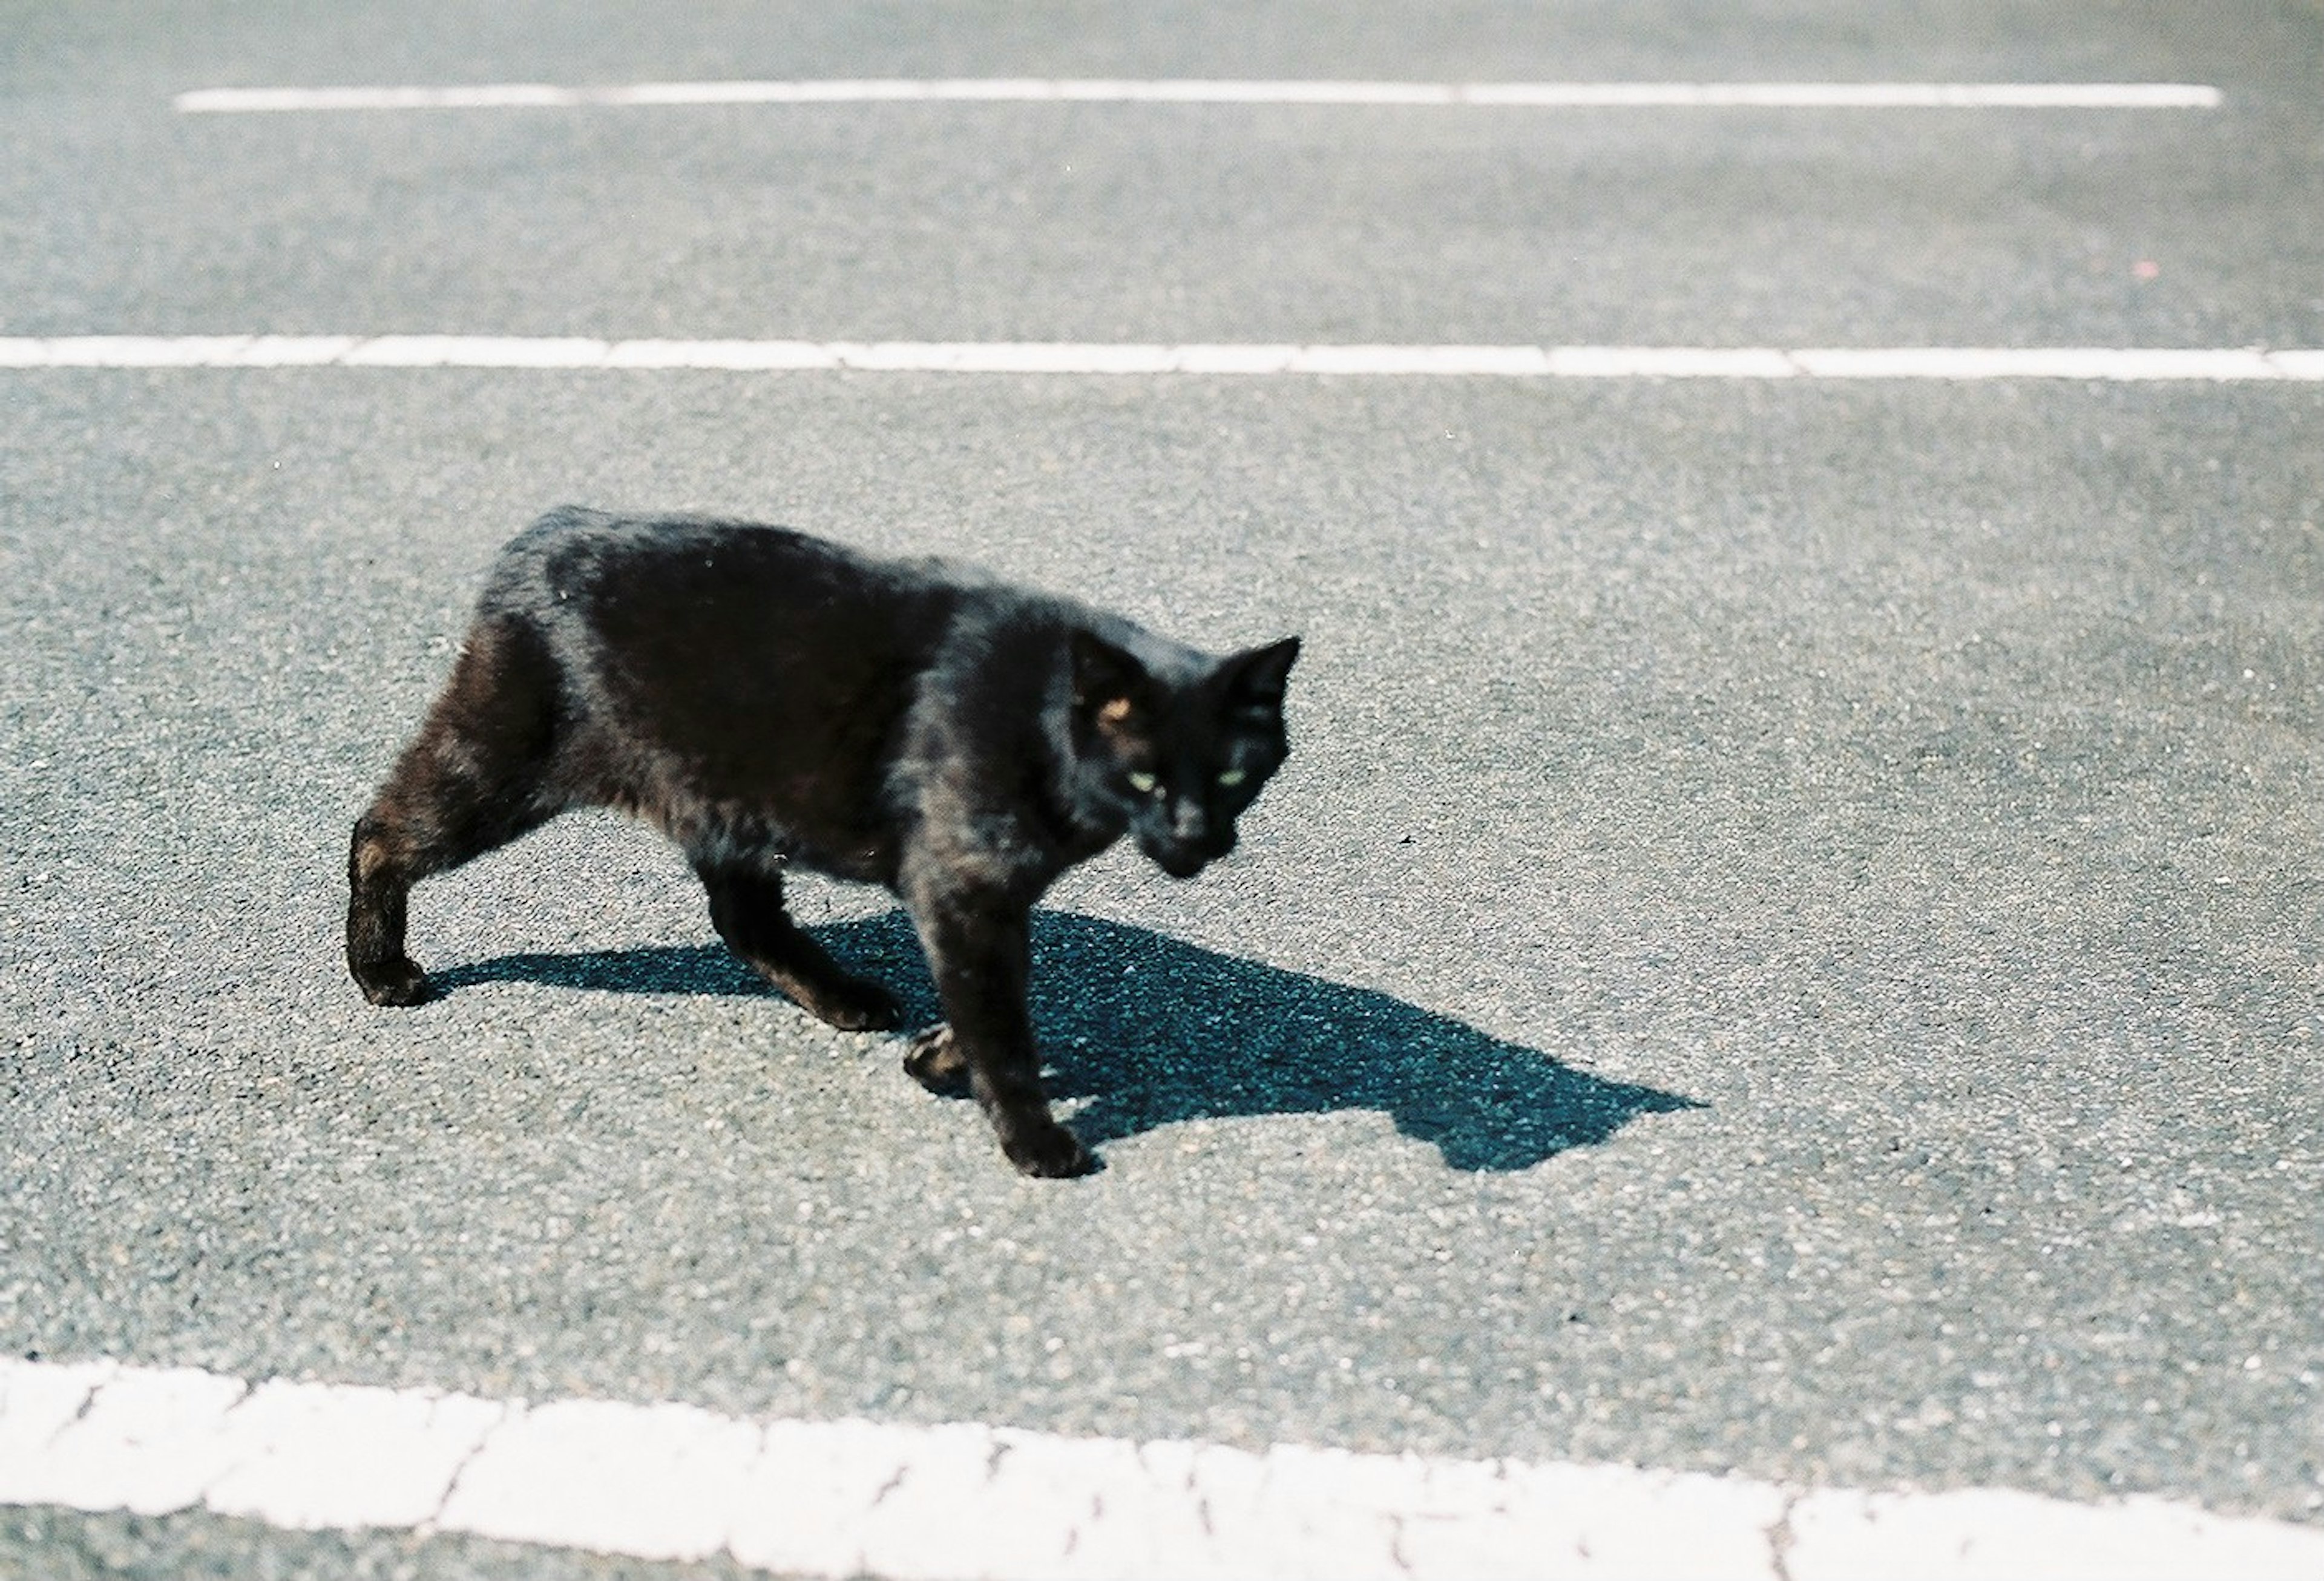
[471,780]
[746,907]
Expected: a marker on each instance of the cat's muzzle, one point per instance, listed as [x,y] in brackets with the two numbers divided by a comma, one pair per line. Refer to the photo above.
[1184,858]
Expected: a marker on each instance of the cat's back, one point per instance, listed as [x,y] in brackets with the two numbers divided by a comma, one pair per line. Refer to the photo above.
[740,658]
[598,562]
[686,589]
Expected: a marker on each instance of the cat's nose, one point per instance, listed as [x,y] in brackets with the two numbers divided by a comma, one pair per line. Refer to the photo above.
[1195,830]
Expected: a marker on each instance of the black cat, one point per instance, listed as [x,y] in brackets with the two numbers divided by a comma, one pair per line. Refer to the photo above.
[768,699]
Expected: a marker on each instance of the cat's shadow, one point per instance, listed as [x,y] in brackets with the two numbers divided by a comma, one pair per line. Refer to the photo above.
[1151,1032]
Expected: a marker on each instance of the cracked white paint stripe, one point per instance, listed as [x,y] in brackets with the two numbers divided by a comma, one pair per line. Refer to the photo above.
[662,1482]
[321,1455]
[1566,96]
[581,354]
[946,1503]
[147,1441]
[1995,1534]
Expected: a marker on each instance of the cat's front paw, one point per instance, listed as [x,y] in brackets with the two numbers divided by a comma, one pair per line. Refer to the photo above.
[936,1063]
[397,982]
[1048,1152]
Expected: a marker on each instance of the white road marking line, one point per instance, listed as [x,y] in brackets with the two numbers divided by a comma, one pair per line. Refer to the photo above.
[1998,1534]
[675,1482]
[572,354]
[466,350]
[2050,362]
[1811,96]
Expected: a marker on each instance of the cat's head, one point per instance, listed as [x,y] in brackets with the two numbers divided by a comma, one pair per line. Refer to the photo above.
[1179,755]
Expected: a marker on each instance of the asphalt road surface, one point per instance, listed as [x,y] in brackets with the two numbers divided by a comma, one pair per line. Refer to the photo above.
[1787,946]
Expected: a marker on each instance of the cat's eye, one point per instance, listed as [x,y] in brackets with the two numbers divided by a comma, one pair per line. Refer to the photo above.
[1140,780]
[1232,776]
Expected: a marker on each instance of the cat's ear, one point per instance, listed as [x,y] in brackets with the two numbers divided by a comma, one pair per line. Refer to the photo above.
[1109,684]
[1260,674]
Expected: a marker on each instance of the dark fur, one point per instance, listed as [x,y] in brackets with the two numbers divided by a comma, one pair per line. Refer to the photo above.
[770,699]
